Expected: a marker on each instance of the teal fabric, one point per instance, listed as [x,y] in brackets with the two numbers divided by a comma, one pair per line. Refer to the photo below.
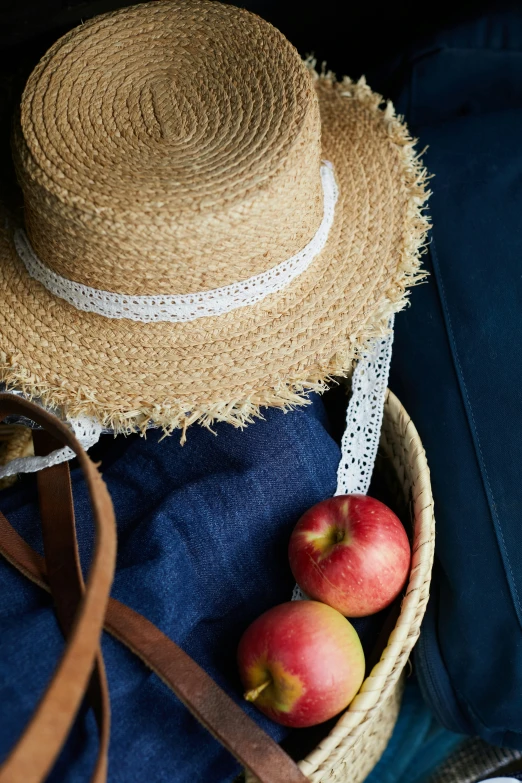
[418,745]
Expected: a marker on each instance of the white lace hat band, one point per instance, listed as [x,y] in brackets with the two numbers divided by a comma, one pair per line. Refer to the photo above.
[185,307]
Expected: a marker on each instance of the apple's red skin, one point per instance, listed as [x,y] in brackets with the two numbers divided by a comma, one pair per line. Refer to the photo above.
[363,572]
[312,657]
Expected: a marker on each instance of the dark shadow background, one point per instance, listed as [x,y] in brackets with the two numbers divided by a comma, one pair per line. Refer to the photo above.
[354,38]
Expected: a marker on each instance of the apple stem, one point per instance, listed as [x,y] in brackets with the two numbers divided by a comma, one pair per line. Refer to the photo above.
[254,693]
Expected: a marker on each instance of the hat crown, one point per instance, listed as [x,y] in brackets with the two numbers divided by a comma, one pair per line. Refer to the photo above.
[171,147]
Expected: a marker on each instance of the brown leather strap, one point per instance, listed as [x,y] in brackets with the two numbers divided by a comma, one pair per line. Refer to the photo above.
[227,722]
[202,696]
[37,749]
[193,686]
[66,579]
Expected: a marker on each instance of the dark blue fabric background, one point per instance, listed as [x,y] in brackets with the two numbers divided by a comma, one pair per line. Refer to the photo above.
[458,369]
[202,550]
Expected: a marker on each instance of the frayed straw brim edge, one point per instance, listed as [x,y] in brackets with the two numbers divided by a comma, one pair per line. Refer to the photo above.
[289,392]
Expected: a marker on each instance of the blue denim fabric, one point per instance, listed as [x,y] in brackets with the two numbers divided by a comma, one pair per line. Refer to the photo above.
[457,368]
[202,550]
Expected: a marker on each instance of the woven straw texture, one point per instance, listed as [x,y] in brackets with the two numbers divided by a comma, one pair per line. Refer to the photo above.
[174,147]
[353,747]
[15,441]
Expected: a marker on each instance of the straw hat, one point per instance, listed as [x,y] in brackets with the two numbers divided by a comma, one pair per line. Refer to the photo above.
[210,225]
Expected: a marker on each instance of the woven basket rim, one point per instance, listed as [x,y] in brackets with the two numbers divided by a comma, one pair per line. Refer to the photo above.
[386,675]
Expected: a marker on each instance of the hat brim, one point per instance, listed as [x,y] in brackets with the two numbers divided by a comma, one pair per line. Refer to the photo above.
[129,375]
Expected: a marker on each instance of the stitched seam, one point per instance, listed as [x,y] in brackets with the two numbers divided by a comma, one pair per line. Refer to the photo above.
[489,492]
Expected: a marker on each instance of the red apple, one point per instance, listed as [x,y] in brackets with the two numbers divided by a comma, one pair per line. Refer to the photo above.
[352,553]
[301,663]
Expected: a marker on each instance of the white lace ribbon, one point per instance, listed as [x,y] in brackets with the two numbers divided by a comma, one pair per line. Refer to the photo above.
[86,430]
[360,440]
[185,307]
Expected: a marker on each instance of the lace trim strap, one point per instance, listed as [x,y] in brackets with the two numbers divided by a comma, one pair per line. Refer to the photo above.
[86,430]
[360,440]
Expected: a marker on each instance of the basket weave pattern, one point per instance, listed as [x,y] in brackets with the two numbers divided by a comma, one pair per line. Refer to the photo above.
[353,747]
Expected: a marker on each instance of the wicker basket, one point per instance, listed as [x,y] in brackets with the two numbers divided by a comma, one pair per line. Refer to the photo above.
[356,743]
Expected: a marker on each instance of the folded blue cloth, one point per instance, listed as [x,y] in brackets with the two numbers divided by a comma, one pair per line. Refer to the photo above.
[202,550]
